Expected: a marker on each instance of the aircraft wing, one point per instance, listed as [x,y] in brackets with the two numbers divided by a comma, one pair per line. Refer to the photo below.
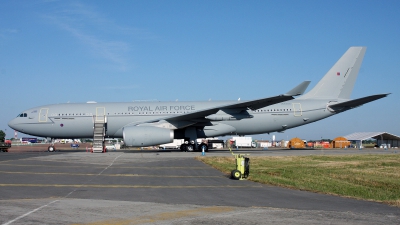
[253,105]
[263,102]
[343,106]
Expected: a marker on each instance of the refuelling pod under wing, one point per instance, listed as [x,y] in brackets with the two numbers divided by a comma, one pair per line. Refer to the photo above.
[140,136]
[217,129]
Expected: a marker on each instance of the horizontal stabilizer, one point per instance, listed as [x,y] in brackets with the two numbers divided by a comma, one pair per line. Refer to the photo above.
[343,106]
[299,89]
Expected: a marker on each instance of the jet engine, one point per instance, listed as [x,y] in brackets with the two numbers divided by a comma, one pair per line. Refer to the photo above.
[139,136]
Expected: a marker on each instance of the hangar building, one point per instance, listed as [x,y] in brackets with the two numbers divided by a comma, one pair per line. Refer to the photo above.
[381,137]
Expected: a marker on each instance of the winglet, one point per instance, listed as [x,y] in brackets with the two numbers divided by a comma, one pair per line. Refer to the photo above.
[299,89]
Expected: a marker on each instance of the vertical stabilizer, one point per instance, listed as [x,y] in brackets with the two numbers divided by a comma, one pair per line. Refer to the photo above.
[340,79]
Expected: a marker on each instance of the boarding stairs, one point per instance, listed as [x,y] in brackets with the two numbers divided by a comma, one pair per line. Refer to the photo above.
[99,132]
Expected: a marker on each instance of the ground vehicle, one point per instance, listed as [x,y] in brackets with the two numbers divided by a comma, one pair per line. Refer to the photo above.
[176,144]
[244,142]
[4,144]
[29,140]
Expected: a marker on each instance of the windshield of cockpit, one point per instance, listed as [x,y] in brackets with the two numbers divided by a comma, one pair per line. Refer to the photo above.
[23,115]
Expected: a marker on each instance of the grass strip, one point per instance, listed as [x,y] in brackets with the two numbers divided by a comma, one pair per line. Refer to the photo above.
[368,177]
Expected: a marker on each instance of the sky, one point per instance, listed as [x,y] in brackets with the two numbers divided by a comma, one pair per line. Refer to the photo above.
[119,51]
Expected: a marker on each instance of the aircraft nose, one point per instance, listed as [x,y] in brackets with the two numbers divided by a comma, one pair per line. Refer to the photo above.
[12,124]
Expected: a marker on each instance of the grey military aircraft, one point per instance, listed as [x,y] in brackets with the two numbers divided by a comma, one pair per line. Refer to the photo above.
[152,123]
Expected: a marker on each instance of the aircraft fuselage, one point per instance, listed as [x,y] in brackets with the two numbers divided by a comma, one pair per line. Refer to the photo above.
[75,120]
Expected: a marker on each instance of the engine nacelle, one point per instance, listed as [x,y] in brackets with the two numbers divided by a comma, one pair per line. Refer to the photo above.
[146,136]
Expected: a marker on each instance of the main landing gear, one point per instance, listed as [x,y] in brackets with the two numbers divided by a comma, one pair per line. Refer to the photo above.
[192,147]
[190,144]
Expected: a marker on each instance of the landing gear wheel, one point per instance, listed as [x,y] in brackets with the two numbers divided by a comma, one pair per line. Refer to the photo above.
[189,148]
[51,149]
[203,146]
[183,147]
[236,174]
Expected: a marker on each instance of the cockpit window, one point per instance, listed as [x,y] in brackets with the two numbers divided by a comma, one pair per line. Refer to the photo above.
[23,115]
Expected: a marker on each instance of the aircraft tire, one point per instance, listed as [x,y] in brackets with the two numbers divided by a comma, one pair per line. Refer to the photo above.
[236,174]
[51,149]
[183,147]
[189,148]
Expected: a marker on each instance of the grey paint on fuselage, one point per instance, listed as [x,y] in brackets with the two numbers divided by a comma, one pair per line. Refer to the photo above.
[210,118]
[76,120]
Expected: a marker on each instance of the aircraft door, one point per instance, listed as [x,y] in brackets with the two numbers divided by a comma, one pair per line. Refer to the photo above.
[100,114]
[43,115]
[297,109]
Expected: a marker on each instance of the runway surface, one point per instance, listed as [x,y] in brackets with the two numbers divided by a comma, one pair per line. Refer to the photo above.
[162,187]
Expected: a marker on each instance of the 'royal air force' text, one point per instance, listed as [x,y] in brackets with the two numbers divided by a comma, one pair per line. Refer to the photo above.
[162,108]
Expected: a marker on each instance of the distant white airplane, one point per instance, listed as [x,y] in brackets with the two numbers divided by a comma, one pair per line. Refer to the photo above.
[153,123]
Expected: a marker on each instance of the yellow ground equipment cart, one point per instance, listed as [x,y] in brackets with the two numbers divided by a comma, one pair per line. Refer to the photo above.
[242,166]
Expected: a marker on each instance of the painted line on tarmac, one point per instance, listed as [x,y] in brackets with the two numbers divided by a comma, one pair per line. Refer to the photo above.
[164,167]
[109,175]
[30,212]
[110,164]
[28,199]
[95,176]
[128,186]
[41,165]
[117,167]
[167,217]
